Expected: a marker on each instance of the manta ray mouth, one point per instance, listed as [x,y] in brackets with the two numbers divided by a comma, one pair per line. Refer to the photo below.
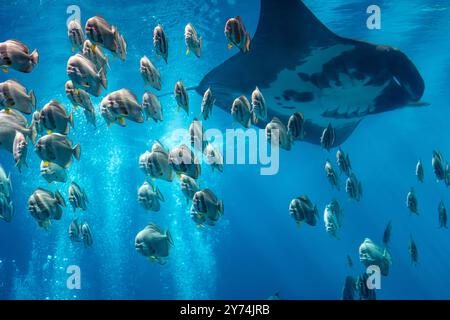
[405,74]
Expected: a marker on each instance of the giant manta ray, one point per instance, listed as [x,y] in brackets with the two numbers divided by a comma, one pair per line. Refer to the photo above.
[300,65]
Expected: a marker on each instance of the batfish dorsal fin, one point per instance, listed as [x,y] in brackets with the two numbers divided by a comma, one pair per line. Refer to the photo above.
[20,44]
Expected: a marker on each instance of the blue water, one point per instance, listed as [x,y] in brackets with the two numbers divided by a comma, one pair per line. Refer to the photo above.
[256,249]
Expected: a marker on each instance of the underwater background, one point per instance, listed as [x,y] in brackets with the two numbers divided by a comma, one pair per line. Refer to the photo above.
[256,249]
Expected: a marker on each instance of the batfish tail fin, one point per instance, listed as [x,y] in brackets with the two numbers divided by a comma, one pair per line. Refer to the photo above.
[71,119]
[159,194]
[102,76]
[34,56]
[169,237]
[247,41]
[77,151]
[60,199]
[220,207]
[10,182]
[33,98]
[33,131]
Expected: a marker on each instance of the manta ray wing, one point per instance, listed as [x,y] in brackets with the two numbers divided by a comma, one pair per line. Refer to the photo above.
[300,65]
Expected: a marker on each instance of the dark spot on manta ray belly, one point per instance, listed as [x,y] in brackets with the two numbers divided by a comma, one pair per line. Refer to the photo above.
[306,96]
[277,98]
[288,107]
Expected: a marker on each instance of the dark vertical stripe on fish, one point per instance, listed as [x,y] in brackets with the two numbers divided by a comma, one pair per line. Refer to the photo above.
[184,96]
[241,112]
[4,55]
[7,93]
[202,204]
[42,207]
[295,127]
[163,42]
[51,120]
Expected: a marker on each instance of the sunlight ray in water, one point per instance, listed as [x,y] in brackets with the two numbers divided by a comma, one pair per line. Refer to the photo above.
[193,266]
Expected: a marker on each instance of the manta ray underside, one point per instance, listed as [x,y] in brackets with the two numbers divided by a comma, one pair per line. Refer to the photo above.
[300,65]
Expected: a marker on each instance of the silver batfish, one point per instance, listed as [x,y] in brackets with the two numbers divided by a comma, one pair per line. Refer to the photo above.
[85,74]
[13,95]
[45,205]
[124,105]
[75,34]
[57,148]
[77,197]
[152,106]
[52,172]
[99,31]
[153,243]
[16,55]
[54,118]
[149,197]
[150,73]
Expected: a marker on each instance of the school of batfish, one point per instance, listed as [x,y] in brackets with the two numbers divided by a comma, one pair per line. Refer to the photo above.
[87,69]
